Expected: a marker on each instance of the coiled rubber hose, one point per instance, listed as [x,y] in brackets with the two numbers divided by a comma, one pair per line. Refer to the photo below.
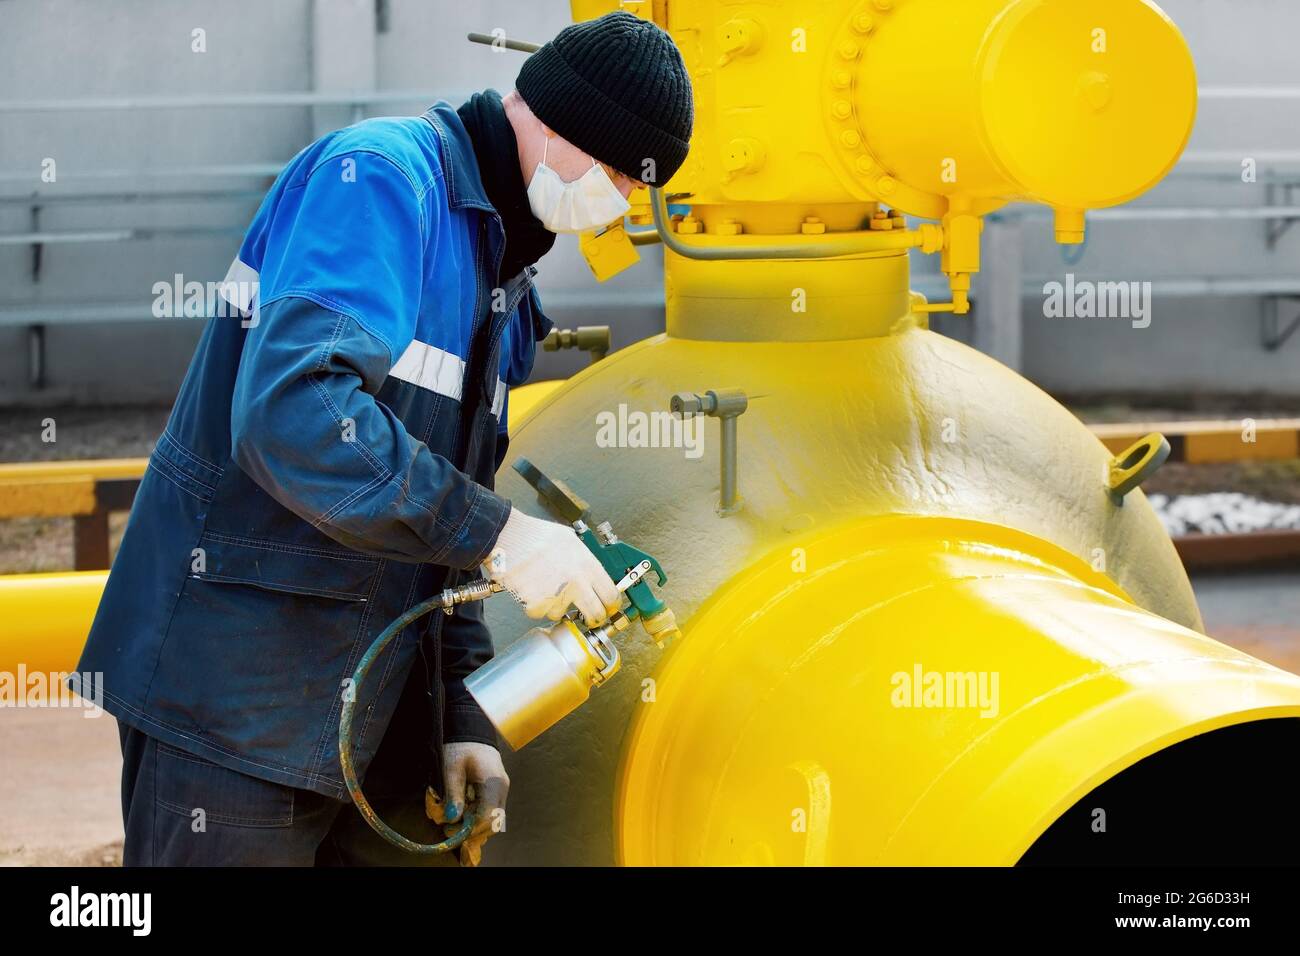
[345,742]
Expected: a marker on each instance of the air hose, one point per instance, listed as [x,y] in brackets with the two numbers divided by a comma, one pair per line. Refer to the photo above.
[436,603]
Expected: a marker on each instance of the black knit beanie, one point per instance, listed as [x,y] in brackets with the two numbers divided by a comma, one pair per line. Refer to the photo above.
[616,88]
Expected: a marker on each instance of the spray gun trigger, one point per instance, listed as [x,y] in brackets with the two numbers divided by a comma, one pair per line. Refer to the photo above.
[634,575]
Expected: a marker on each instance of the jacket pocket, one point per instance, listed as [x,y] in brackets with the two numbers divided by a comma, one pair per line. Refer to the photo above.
[260,644]
[282,566]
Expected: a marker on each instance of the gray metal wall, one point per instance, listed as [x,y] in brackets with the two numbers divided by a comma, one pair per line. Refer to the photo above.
[1196,342]
[59,50]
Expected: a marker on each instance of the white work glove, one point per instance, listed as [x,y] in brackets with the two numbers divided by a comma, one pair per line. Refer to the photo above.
[547,568]
[476,779]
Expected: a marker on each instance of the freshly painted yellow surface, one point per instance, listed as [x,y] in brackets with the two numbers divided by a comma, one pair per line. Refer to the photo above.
[525,398]
[908,505]
[912,691]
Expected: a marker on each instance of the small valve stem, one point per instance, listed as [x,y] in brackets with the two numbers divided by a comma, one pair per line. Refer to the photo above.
[726,405]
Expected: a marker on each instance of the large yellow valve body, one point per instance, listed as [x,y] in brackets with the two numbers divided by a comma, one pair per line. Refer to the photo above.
[907,502]
[912,511]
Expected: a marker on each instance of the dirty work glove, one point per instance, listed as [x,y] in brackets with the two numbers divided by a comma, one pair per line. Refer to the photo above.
[476,779]
[547,568]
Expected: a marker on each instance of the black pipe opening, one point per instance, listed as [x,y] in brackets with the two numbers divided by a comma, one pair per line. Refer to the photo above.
[1227,797]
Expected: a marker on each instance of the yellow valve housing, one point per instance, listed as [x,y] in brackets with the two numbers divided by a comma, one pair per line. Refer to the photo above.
[941,109]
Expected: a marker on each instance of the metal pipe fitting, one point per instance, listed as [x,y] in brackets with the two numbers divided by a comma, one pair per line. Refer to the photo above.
[726,405]
[593,339]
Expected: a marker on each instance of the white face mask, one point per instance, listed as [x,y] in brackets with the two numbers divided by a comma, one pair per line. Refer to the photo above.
[587,203]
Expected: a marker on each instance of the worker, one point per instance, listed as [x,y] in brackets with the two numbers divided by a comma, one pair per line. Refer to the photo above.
[329,463]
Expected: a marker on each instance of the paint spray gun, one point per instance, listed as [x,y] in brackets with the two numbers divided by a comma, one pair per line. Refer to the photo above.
[550,671]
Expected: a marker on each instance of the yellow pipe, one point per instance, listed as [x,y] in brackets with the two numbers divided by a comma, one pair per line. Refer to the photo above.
[47,618]
[1213,441]
[836,433]
[32,471]
[913,691]
[53,497]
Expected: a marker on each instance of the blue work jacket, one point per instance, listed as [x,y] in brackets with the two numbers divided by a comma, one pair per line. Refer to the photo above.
[328,464]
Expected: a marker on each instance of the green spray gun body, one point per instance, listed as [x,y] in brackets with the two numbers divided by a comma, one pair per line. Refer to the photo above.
[618,558]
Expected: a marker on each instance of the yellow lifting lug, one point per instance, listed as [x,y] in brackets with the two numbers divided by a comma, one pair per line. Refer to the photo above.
[608,253]
[1134,465]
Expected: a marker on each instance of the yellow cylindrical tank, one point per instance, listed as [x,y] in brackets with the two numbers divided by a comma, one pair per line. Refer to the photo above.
[1073,105]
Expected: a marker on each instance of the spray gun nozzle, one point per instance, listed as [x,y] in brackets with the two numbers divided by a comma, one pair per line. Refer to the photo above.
[662,627]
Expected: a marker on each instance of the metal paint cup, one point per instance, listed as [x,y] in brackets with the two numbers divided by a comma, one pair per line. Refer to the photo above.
[541,678]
